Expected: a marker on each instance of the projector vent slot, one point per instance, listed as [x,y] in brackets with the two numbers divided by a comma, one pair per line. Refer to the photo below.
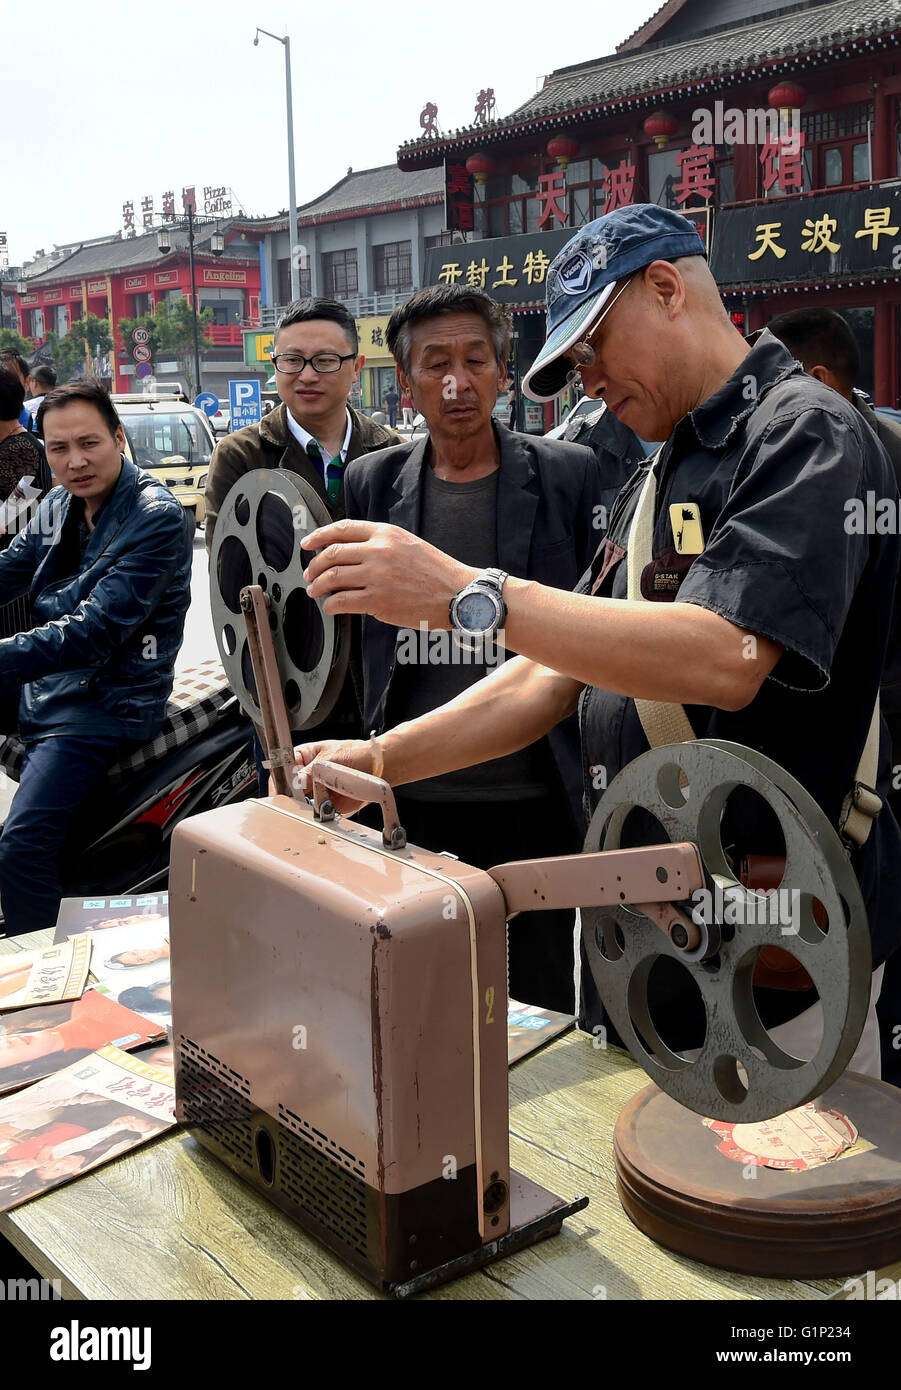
[211,1099]
[212,1064]
[326,1192]
[321,1141]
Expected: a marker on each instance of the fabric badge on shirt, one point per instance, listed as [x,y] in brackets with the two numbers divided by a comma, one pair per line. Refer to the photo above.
[688,534]
[661,579]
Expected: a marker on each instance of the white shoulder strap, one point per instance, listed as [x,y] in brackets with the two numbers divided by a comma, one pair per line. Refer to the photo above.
[662,723]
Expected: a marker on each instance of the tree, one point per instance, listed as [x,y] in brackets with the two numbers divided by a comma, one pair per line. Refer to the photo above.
[10,339]
[171,330]
[88,338]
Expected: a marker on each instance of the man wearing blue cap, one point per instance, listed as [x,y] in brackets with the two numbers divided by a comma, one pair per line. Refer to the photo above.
[754,605]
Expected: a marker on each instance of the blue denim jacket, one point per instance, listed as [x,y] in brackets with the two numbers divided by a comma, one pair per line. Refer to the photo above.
[101,655]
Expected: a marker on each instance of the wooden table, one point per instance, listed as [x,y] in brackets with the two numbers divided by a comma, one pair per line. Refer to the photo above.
[168,1221]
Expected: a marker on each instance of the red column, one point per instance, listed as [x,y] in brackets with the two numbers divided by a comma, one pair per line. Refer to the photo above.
[118,310]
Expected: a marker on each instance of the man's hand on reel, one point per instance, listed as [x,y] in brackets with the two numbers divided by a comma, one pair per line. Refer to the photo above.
[370,567]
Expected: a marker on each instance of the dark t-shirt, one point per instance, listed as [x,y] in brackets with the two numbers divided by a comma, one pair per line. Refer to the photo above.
[461,520]
[773,460]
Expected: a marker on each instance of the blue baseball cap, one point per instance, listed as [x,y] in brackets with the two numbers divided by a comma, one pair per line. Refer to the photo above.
[583,276]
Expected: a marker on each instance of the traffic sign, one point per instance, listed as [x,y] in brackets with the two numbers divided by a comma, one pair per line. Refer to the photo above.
[141,335]
[207,402]
[143,369]
[246,403]
[141,353]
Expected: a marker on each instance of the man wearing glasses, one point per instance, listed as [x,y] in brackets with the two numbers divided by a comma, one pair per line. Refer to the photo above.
[759,610]
[314,432]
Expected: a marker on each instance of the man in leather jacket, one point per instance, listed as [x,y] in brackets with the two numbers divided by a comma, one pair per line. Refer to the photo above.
[106,561]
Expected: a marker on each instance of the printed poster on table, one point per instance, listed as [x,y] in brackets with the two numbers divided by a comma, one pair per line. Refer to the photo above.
[131,964]
[99,1108]
[54,972]
[37,1042]
[99,914]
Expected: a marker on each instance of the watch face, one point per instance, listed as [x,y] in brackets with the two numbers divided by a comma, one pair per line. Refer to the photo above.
[476,612]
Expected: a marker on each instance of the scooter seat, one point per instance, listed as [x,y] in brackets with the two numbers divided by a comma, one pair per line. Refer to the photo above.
[198,697]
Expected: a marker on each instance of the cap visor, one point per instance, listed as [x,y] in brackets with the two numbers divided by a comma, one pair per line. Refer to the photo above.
[548,374]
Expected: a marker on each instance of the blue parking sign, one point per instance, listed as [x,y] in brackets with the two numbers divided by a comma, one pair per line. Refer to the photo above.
[246,403]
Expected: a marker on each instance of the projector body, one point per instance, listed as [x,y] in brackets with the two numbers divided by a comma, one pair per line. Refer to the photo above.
[340,1026]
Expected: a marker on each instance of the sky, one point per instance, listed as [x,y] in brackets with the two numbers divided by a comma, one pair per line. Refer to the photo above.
[106,103]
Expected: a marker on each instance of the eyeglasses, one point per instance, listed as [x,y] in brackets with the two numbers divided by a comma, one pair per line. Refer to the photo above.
[582,354]
[290,363]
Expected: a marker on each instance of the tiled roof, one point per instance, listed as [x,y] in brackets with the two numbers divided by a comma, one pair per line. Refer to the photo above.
[384,187]
[375,187]
[651,26]
[659,69]
[115,255]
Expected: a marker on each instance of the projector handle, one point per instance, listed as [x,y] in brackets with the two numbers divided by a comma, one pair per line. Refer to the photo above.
[360,786]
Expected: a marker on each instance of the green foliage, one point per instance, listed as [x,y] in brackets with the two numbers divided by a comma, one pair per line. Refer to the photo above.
[89,336]
[171,329]
[10,339]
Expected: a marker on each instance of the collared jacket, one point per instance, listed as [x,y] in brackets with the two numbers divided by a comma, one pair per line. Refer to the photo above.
[101,655]
[780,468]
[270,444]
[547,499]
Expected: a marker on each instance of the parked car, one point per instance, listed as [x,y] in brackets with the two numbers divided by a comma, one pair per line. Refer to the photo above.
[221,421]
[586,406]
[173,440]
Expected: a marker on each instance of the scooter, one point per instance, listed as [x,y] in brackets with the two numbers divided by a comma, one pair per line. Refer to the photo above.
[203,757]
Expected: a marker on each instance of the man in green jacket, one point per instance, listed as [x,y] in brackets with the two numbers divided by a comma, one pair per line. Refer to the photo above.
[314,433]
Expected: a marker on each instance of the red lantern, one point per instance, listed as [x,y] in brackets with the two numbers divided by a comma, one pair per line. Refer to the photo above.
[562,148]
[480,166]
[661,127]
[787,96]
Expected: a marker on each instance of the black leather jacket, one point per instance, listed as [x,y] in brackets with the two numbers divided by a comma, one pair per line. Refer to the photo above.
[101,655]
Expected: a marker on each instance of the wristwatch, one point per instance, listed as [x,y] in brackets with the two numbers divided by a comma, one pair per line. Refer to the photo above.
[478,611]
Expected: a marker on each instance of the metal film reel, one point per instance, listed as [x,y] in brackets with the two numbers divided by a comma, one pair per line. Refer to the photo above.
[261,523]
[741,1073]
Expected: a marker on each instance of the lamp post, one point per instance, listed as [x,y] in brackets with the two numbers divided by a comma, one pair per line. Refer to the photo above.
[164,246]
[292,196]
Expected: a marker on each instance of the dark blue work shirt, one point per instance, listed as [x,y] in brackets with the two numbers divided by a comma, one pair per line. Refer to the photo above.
[771,460]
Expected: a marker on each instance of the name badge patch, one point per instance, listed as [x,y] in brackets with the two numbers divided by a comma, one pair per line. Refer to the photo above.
[688,534]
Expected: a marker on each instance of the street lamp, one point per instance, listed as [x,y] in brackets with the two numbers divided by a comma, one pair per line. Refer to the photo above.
[164,246]
[292,196]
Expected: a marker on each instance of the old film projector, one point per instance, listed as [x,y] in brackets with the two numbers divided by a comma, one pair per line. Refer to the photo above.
[339,996]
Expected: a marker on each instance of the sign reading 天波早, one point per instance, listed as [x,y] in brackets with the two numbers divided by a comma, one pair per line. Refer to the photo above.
[807,238]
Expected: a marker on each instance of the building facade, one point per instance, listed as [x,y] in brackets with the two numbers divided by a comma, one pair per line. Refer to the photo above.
[773,126]
[115,278]
[363,242]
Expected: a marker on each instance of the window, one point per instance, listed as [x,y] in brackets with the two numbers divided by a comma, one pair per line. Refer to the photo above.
[392,265]
[834,157]
[155,438]
[283,274]
[339,273]
[663,175]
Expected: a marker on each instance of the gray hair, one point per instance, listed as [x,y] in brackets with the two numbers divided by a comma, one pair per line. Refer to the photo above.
[440,300]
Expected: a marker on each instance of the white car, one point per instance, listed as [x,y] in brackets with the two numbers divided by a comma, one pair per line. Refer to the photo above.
[221,421]
[586,406]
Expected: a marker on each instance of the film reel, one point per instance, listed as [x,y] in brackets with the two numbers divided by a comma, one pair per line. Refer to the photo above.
[741,1073]
[261,523]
